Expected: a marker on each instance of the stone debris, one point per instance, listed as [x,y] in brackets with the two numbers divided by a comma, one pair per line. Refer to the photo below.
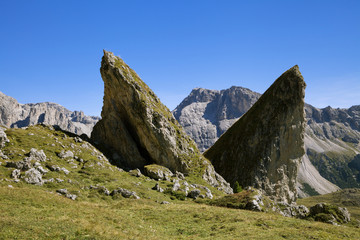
[21,165]
[56,168]
[125,193]
[65,193]
[158,188]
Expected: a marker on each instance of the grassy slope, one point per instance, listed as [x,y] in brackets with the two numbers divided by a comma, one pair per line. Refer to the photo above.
[349,198]
[37,212]
[29,212]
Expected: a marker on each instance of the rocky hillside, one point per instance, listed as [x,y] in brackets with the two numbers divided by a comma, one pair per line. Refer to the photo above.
[16,115]
[331,135]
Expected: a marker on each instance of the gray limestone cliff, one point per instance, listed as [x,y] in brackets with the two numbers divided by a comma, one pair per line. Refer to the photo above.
[136,129]
[16,115]
[207,114]
[264,147]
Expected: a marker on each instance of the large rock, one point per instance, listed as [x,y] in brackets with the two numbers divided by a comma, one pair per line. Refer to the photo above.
[264,147]
[136,129]
[16,115]
[324,212]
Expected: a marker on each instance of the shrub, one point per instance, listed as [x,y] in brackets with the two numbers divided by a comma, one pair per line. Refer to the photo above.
[237,188]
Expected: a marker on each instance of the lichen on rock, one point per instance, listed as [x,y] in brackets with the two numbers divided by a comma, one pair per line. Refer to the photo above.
[264,147]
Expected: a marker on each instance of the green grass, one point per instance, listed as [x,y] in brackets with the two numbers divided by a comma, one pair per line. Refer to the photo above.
[38,212]
[31,212]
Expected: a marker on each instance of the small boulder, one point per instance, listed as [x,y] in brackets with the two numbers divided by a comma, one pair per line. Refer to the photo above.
[158,188]
[157,172]
[164,202]
[33,176]
[15,174]
[135,172]
[125,193]
[37,155]
[176,186]
[67,154]
[298,211]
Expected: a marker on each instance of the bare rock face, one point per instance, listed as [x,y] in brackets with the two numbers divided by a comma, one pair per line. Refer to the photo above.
[264,147]
[16,115]
[136,129]
[206,114]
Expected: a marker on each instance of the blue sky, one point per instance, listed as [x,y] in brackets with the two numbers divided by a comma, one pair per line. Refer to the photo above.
[51,50]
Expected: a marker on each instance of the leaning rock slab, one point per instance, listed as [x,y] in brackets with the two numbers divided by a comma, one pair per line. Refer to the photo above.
[264,147]
[136,129]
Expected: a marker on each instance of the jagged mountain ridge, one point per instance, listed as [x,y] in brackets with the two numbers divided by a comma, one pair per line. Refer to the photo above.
[16,115]
[326,130]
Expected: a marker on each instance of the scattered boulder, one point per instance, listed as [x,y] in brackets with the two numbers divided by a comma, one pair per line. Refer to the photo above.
[293,210]
[125,193]
[101,189]
[56,168]
[3,138]
[157,172]
[37,155]
[158,188]
[67,154]
[15,174]
[65,193]
[135,172]
[164,202]
[3,156]
[327,213]
[264,147]
[176,186]
[194,193]
[33,176]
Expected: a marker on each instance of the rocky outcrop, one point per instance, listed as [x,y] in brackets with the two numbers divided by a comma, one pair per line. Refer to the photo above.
[16,115]
[264,147]
[136,129]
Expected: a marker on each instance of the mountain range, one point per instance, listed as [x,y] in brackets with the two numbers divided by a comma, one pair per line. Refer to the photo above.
[331,135]
[331,140]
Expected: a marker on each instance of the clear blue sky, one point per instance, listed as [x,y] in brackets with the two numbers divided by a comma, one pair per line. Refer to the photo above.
[51,50]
